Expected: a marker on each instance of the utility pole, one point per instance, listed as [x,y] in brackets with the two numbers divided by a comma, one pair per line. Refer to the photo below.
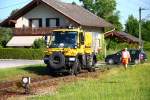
[140,37]
[140,27]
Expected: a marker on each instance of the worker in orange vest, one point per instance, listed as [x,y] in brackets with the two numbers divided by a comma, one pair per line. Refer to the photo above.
[125,57]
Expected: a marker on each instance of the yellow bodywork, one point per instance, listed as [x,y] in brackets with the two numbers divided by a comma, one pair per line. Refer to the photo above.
[82,49]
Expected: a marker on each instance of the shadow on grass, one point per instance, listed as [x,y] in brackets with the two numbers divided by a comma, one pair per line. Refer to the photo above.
[39,70]
[43,70]
[110,82]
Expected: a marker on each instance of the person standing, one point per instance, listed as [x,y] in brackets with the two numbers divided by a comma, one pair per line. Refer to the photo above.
[125,57]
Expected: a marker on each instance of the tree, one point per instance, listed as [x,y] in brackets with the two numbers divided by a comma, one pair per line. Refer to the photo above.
[14,11]
[5,35]
[102,8]
[105,9]
[114,19]
[132,26]
[146,30]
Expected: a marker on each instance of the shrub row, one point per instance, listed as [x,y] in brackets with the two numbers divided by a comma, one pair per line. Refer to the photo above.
[21,53]
[100,56]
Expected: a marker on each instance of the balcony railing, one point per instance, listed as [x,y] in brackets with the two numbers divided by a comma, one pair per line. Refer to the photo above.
[31,31]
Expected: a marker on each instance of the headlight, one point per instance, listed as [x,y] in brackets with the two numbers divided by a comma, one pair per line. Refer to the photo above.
[72,59]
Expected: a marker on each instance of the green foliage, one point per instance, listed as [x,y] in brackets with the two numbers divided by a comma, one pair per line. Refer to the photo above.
[100,56]
[105,9]
[117,45]
[5,35]
[132,26]
[146,30]
[39,43]
[114,19]
[147,46]
[102,8]
[13,12]
[21,53]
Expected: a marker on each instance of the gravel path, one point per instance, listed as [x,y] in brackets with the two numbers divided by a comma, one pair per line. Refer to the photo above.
[17,63]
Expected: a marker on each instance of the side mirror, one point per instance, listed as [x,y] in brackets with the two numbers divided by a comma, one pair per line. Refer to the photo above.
[82,42]
[81,38]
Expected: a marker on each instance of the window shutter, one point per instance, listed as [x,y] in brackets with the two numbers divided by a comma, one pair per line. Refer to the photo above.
[47,22]
[30,22]
[57,22]
[40,22]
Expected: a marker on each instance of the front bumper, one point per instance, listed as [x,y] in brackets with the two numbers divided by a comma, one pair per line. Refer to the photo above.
[68,60]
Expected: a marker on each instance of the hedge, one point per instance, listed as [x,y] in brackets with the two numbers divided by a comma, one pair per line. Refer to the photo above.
[21,53]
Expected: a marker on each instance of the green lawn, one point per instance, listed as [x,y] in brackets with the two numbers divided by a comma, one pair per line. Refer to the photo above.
[148,55]
[115,84]
[10,74]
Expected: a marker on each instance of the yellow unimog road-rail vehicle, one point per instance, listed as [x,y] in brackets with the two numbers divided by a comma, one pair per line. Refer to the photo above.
[70,50]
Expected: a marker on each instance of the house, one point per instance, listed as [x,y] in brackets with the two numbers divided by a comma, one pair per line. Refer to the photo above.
[40,17]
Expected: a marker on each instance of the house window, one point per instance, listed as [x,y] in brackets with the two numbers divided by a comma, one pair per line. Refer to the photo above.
[35,22]
[52,22]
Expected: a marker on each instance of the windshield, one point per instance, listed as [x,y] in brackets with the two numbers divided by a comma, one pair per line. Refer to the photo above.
[63,40]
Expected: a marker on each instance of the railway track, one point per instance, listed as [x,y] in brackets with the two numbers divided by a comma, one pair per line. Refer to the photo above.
[14,88]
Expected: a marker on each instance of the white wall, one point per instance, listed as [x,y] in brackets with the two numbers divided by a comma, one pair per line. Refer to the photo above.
[97,38]
[41,11]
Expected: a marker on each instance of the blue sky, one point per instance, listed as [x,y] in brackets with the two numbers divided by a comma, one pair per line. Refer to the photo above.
[126,7]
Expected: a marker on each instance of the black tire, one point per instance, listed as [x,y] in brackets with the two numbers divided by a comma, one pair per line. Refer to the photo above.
[94,63]
[91,63]
[75,68]
[57,64]
[50,70]
[79,67]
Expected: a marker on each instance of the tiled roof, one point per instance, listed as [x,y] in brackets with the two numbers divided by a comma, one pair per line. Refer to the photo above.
[78,14]
[123,36]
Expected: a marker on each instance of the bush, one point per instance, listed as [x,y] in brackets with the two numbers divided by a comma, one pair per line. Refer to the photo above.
[118,45]
[5,36]
[147,46]
[39,43]
[100,56]
[21,53]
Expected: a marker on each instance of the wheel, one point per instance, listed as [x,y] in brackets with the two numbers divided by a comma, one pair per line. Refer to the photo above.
[57,60]
[79,67]
[110,61]
[136,61]
[76,68]
[49,69]
[90,64]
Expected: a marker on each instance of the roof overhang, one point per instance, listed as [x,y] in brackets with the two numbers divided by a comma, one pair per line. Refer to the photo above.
[22,41]
[122,36]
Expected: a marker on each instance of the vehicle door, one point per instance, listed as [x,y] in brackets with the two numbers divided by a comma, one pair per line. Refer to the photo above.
[133,54]
[117,57]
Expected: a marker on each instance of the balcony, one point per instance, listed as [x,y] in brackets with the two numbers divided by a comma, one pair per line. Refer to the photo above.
[31,31]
